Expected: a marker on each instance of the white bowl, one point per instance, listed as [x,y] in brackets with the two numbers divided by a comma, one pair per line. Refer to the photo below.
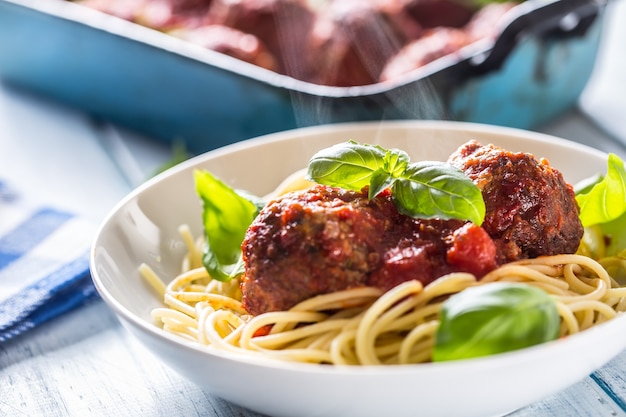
[143,228]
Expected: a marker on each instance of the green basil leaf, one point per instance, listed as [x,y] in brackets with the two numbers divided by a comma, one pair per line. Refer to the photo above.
[495,318]
[614,235]
[348,165]
[584,186]
[227,214]
[604,239]
[395,162]
[437,189]
[380,180]
[420,190]
[606,200]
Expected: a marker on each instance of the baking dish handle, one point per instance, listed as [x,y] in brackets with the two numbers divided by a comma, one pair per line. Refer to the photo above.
[557,19]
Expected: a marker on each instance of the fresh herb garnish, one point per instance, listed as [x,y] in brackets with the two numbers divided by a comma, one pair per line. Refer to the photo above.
[602,202]
[605,200]
[226,216]
[495,318]
[423,189]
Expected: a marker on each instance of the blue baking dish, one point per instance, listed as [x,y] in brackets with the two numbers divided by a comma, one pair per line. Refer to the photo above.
[172,90]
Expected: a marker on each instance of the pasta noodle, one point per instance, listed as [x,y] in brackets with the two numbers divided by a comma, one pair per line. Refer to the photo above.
[364,326]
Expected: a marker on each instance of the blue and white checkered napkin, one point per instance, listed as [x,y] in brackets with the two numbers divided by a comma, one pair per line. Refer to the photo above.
[44,264]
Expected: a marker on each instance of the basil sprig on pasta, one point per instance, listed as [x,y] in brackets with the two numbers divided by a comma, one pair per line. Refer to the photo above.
[605,199]
[424,189]
[227,214]
[602,202]
[495,318]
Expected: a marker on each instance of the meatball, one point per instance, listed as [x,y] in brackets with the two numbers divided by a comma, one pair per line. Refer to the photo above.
[229,41]
[487,22]
[439,13]
[439,41]
[327,239]
[124,9]
[166,15]
[531,210]
[352,39]
[156,14]
[433,45]
[283,26]
[405,27]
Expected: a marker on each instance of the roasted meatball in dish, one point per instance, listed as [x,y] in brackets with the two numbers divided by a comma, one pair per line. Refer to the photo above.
[439,13]
[352,39]
[231,42]
[283,26]
[433,45]
[163,15]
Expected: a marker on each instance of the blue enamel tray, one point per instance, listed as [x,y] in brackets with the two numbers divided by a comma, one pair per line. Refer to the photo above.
[172,90]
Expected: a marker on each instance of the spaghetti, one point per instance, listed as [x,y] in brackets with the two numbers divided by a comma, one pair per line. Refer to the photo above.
[364,326]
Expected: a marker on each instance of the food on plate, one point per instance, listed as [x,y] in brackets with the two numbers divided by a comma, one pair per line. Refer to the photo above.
[469,328]
[531,210]
[327,42]
[328,239]
[388,261]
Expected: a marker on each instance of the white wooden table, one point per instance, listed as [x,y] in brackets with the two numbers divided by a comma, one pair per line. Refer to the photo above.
[85,364]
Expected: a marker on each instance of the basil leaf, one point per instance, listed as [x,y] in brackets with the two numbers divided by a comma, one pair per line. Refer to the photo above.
[348,165]
[437,189]
[584,186]
[420,190]
[614,235]
[495,318]
[395,162]
[226,216]
[179,154]
[379,181]
[606,200]
[604,239]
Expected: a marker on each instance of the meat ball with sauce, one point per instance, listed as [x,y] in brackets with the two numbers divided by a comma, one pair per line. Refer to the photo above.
[327,239]
[531,210]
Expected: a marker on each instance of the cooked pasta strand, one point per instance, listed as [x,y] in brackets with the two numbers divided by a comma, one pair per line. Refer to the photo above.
[364,326]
